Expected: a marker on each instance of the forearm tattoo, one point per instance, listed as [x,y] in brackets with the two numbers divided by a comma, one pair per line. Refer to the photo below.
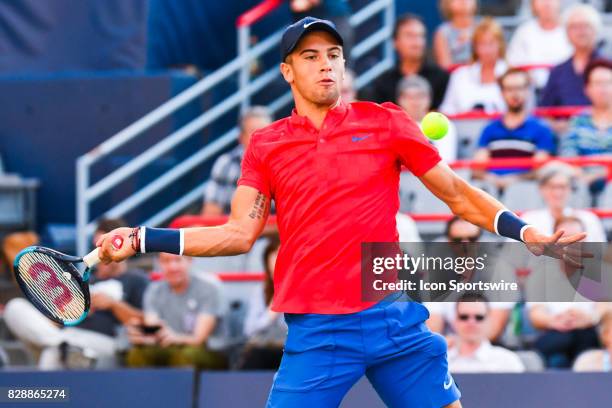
[259,207]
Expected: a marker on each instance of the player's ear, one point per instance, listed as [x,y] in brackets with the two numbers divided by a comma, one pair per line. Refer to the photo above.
[287,71]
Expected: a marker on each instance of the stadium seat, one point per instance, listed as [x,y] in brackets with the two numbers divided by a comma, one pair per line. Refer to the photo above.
[468,133]
[531,360]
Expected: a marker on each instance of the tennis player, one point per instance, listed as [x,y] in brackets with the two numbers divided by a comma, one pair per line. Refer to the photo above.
[333,169]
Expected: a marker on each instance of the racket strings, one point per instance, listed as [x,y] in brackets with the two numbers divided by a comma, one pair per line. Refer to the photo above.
[49,283]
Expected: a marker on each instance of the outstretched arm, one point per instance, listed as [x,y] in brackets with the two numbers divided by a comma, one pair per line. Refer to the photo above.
[479,208]
[250,209]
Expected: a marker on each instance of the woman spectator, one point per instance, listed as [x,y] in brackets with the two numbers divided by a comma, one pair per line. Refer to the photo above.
[565,86]
[265,328]
[555,180]
[474,86]
[541,40]
[452,40]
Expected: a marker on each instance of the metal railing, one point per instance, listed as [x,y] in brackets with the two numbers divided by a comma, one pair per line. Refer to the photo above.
[87,191]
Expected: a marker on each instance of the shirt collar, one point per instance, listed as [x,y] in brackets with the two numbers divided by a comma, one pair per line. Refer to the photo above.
[334,115]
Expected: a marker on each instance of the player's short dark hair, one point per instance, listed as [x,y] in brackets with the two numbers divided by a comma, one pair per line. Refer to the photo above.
[513,71]
[108,224]
[593,65]
[405,19]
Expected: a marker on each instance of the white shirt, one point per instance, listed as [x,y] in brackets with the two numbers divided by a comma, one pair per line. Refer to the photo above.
[531,44]
[544,221]
[487,358]
[407,228]
[465,90]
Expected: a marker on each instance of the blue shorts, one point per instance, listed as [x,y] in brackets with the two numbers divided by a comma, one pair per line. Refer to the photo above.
[325,355]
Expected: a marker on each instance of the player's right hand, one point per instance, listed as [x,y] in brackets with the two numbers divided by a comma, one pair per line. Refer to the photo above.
[115,246]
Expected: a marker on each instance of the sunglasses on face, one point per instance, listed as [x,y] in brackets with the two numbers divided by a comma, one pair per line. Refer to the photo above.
[466,317]
[457,240]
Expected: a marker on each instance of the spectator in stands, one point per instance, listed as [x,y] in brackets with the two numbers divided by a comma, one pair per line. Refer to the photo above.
[116,297]
[555,180]
[226,170]
[541,40]
[414,96]
[453,39]
[410,42]
[181,314]
[474,86]
[517,134]
[568,327]
[598,360]
[348,92]
[472,351]
[442,314]
[337,11]
[590,134]
[265,329]
[565,86]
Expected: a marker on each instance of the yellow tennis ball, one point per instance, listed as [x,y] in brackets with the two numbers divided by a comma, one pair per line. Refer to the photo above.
[434,125]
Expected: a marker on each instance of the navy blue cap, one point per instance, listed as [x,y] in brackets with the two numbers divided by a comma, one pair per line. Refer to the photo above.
[294,33]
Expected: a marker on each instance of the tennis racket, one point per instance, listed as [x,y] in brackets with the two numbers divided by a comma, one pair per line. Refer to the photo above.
[51,281]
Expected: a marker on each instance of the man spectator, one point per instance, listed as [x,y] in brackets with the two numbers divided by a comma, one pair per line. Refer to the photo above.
[181,315]
[472,351]
[410,42]
[565,86]
[590,134]
[516,134]
[540,40]
[414,96]
[116,297]
[598,360]
[226,170]
[442,314]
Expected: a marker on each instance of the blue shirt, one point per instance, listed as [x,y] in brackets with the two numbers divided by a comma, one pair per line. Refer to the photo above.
[585,139]
[565,86]
[523,141]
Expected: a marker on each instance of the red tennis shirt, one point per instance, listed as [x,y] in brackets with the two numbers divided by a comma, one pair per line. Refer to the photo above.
[334,188]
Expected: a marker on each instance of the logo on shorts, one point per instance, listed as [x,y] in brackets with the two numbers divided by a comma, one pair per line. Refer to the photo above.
[359,138]
[448,382]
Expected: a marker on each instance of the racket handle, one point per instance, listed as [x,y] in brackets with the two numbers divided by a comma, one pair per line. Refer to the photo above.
[92,258]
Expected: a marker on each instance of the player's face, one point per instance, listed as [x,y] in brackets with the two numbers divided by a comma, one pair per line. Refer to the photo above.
[599,88]
[175,268]
[471,321]
[515,90]
[415,102]
[410,41]
[315,69]
[556,191]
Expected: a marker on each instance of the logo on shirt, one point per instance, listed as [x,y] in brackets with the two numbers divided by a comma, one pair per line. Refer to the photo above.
[309,24]
[448,381]
[359,138]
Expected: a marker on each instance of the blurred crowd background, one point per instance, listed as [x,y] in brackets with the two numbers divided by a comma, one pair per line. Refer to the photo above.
[539,91]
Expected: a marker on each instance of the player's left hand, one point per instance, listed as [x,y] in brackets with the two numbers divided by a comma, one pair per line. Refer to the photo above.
[557,246]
